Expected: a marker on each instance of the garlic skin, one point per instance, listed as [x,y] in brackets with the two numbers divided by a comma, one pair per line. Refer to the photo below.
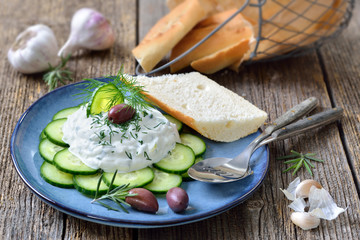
[303,189]
[34,49]
[89,30]
[305,220]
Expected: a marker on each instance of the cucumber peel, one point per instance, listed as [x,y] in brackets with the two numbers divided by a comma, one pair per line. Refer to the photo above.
[104,98]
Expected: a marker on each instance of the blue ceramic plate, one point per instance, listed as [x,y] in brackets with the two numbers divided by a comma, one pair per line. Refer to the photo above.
[206,199]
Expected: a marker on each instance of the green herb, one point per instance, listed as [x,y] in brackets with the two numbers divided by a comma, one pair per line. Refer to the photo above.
[132,93]
[298,160]
[147,156]
[116,195]
[128,155]
[57,74]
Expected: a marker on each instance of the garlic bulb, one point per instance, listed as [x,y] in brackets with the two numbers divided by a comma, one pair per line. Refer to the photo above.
[89,30]
[305,220]
[34,49]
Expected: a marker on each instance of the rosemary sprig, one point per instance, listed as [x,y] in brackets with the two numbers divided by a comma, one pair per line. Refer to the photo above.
[57,74]
[298,160]
[129,90]
[116,195]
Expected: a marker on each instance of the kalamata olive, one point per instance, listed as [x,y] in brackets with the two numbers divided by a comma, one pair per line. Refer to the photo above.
[177,199]
[144,200]
[121,113]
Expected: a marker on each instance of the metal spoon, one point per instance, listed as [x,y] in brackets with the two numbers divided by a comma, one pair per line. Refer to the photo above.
[219,170]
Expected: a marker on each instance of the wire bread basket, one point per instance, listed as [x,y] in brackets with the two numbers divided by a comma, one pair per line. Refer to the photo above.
[282,28]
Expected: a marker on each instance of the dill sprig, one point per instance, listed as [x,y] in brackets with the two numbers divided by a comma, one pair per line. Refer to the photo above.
[117,195]
[56,74]
[129,90]
[298,160]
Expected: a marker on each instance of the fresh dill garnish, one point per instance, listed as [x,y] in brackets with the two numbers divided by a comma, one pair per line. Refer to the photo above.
[147,156]
[160,123]
[298,160]
[128,155]
[129,90]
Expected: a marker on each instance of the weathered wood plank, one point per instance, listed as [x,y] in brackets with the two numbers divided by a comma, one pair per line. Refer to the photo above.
[341,62]
[274,87]
[23,215]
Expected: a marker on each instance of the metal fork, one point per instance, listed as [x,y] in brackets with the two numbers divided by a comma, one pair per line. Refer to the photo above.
[228,170]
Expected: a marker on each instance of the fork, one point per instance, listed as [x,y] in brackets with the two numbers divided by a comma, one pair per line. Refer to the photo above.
[228,170]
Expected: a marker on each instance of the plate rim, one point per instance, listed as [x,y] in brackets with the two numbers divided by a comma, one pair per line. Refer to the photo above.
[119,222]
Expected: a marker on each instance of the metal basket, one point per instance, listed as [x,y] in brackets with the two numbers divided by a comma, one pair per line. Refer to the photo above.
[305,27]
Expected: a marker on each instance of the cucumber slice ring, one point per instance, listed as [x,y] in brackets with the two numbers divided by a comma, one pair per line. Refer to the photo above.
[136,178]
[53,131]
[47,150]
[65,161]
[64,113]
[87,184]
[179,125]
[196,143]
[178,161]
[56,177]
[163,182]
[101,99]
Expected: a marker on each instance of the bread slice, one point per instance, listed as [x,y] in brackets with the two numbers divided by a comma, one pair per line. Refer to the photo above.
[167,32]
[234,32]
[222,59]
[212,110]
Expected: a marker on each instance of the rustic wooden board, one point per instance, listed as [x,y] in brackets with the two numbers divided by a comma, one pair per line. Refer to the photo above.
[341,60]
[331,74]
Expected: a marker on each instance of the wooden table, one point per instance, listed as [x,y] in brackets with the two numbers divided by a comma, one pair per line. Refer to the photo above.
[331,74]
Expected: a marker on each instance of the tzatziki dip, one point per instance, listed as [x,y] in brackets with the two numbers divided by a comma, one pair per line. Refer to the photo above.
[133,145]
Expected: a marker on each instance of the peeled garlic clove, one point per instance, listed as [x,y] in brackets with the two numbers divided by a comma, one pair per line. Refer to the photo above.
[304,220]
[89,30]
[34,49]
[303,189]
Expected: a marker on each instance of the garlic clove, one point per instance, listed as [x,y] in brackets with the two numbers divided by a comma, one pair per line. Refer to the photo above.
[305,220]
[34,49]
[89,30]
[303,189]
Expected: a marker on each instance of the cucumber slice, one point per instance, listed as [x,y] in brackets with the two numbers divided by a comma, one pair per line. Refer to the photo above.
[185,175]
[101,99]
[163,182]
[68,162]
[47,150]
[178,161]
[179,125]
[136,178]
[64,113]
[56,177]
[42,135]
[54,133]
[87,184]
[196,143]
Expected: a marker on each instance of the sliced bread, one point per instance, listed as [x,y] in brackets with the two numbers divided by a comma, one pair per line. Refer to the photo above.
[212,110]
[167,32]
[234,32]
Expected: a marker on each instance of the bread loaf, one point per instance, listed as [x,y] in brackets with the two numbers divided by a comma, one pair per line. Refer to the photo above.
[212,110]
[167,32]
[233,33]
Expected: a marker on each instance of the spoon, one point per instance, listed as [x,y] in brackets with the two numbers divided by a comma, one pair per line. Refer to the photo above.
[218,169]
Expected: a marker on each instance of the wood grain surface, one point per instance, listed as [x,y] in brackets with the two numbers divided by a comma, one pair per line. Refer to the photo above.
[331,74]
